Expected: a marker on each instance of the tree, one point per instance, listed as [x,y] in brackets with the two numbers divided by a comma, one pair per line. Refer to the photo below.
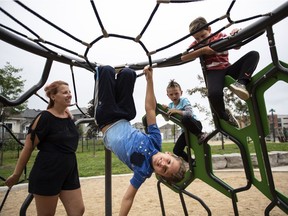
[202,90]
[11,86]
[93,129]
[231,101]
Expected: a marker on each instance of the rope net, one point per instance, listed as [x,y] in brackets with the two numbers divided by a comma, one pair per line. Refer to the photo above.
[74,48]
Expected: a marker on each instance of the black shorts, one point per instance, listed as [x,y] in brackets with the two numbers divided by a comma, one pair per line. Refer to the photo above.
[53,172]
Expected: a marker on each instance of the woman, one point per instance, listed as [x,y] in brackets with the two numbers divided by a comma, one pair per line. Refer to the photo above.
[54,174]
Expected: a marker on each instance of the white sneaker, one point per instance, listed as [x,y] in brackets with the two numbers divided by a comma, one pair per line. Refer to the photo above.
[240,90]
[232,120]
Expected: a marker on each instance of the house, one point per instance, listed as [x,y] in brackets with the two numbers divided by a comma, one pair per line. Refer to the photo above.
[170,132]
[167,131]
[278,125]
[79,113]
[139,126]
[19,124]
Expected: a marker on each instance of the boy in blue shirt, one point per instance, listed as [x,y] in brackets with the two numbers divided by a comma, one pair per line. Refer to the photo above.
[182,106]
[114,108]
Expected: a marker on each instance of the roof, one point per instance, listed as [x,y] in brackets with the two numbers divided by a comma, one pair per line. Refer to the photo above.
[78,112]
[29,113]
[167,126]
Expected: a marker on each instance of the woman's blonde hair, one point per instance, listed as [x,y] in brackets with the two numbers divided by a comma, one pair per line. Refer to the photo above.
[52,89]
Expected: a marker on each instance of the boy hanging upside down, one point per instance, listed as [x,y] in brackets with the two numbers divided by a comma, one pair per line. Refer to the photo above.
[114,108]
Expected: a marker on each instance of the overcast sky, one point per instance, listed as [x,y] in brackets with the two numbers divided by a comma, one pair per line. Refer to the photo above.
[128,18]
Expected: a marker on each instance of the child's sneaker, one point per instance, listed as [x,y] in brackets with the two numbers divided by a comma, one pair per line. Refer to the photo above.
[240,90]
[232,120]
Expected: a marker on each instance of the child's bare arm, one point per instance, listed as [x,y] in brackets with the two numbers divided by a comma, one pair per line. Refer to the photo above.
[164,106]
[24,157]
[175,111]
[150,100]
[206,50]
[127,200]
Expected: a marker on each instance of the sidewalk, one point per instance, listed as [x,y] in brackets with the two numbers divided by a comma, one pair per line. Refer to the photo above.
[274,169]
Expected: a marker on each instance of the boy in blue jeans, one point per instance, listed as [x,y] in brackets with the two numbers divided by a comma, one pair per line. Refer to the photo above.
[218,66]
[114,108]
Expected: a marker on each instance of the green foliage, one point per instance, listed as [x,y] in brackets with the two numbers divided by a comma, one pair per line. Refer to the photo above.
[93,129]
[11,87]
[80,130]
[233,102]
[203,91]
[10,144]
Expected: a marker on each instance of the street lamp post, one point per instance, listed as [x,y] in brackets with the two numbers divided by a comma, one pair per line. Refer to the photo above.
[273,125]
[2,129]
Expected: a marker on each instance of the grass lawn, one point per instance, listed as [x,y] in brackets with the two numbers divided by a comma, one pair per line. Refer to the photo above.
[91,161]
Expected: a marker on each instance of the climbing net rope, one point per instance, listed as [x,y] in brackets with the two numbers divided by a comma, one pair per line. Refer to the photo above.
[54,51]
[34,43]
[43,43]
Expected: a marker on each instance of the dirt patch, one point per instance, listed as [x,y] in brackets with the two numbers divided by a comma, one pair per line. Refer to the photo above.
[251,202]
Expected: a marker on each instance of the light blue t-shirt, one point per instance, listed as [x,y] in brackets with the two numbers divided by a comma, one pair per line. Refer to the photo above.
[185,105]
[134,148]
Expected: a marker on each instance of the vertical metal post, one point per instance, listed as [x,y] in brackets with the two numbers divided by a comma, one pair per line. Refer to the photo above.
[222,141]
[273,123]
[108,183]
[174,131]
[2,136]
